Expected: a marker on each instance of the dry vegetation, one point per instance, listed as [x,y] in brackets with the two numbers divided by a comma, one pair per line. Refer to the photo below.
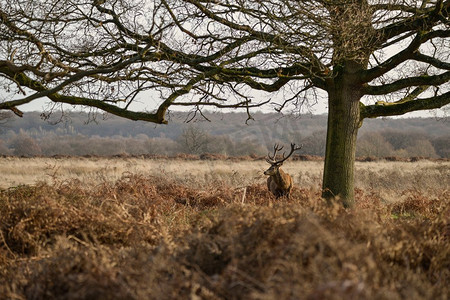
[211,230]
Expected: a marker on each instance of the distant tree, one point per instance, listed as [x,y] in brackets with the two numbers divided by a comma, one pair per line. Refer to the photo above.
[72,145]
[51,144]
[24,145]
[442,146]
[401,153]
[194,140]
[134,145]
[105,146]
[373,144]
[4,150]
[368,58]
[248,147]
[221,144]
[162,146]
[5,117]
[421,148]
[401,139]
[79,144]
[315,143]
[410,143]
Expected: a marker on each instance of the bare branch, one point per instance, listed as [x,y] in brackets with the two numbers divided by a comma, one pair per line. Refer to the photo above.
[402,107]
[208,54]
[410,52]
[422,19]
[408,82]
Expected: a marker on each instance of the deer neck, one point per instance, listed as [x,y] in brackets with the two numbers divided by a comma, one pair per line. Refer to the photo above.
[279,177]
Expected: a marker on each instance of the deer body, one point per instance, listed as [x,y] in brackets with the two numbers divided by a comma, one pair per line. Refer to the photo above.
[279,182]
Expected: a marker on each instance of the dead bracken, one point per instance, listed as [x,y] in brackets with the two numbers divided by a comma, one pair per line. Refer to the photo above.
[147,237]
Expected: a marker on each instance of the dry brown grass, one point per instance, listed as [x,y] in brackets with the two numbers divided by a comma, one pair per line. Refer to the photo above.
[385,176]
[156,236]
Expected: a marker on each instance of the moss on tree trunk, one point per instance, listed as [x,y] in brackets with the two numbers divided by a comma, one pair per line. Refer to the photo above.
[343,124]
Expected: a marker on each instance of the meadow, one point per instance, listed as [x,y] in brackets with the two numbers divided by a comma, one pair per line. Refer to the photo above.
[135,228]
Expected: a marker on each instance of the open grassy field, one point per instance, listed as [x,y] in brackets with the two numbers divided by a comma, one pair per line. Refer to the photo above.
[130,228]
[97,170]
[388,178]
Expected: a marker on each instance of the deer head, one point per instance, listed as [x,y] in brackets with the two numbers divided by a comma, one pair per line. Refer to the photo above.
[276,164]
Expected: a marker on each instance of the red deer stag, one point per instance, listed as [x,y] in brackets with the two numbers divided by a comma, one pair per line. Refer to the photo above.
[279,182]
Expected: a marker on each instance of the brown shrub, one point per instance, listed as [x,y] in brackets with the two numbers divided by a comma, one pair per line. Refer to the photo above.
[395,158]
[367,158]
[149,238]
[212,156]
[185,156]
[306,157]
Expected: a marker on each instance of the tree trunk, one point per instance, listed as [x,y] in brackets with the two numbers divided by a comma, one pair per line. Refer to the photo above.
[343,124]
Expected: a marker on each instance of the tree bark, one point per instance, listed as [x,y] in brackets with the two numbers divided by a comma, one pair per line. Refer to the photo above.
[343,124]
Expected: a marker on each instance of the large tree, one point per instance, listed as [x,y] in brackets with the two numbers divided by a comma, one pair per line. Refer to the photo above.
[369,58]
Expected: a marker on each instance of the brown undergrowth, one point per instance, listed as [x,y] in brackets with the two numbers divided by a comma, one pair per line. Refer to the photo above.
[148,238]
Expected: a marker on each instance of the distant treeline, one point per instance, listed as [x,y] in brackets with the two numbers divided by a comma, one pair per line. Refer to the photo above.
[226,134]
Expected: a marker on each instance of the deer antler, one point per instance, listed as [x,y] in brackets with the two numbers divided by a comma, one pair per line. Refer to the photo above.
[271,159]
[276,148]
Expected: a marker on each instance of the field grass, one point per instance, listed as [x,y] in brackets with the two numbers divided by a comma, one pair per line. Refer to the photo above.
[385,176]
[129,228]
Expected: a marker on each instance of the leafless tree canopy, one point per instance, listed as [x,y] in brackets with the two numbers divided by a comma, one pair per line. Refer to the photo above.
[105,54]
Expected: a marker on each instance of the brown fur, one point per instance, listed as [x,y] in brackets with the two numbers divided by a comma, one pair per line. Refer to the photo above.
[279,182]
